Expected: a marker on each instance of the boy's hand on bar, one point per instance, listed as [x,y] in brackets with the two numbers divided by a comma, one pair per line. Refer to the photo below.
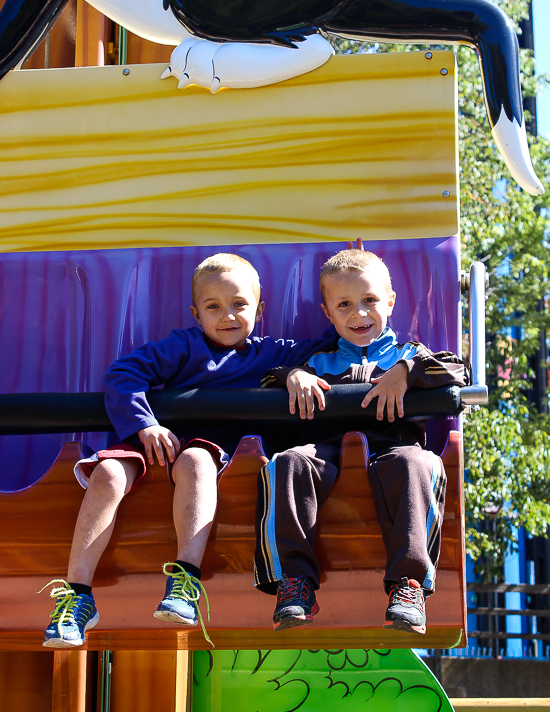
[305,387]
[157,440]
[389,389]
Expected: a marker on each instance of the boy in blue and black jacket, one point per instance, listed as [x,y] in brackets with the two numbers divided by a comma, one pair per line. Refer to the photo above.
[218,353]
[408,482]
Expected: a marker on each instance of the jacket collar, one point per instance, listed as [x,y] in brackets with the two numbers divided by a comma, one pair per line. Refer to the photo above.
[373,352]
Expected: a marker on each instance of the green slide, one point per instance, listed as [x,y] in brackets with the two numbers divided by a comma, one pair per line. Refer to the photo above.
[315,681]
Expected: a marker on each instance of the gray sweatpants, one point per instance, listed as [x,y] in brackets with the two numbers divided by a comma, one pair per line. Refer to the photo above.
[408,486]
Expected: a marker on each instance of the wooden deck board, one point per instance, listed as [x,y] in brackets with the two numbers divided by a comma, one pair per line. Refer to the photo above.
[36,527]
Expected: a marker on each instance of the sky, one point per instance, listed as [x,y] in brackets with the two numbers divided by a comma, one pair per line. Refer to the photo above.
[541,25]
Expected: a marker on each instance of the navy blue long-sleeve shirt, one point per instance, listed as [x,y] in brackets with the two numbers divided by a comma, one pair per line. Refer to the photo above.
[186,360]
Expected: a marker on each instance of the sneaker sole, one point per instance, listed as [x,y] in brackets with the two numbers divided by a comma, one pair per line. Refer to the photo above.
[170,617]
[62,643]
[294,621]
[404,626]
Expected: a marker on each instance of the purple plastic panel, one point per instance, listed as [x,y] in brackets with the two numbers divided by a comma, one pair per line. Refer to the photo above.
[65,316]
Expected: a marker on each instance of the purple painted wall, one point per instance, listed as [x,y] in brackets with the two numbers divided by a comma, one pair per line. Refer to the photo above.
[65,316]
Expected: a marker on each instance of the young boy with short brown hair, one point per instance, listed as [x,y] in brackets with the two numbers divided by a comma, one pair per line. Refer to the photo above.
[218,353]
[408,482]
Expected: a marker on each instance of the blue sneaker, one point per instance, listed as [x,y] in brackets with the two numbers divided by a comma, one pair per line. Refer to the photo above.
[72,616]
[181,599]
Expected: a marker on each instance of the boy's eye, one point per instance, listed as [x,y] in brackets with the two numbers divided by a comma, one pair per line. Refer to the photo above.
[344,304]
[212,306]
[240,304]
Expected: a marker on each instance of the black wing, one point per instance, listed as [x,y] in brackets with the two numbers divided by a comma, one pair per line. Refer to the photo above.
[23,23]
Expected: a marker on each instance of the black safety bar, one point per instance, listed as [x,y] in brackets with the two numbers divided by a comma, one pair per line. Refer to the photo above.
[43,413]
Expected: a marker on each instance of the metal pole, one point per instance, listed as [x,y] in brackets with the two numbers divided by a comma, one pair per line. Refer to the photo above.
[477,392]
[122,45]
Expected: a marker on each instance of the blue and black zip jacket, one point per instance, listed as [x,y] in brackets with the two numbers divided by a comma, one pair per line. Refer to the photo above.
[360,364]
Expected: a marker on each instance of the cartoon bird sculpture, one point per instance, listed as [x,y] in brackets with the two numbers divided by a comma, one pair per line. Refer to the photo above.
[243,44]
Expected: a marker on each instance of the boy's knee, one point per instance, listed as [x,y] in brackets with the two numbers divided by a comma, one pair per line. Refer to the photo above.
[113,476]
[428,464]
[407,466]
[293,460]
[196,461]
[300,460]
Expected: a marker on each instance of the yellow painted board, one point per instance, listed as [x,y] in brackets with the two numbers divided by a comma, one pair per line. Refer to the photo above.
[365,146]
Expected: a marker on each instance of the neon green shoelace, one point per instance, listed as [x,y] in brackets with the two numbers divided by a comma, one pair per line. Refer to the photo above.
[65,604]
[188,588]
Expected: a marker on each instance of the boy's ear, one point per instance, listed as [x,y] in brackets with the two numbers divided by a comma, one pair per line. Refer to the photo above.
[391,303]
[259,311]
[195,313]
[325,310]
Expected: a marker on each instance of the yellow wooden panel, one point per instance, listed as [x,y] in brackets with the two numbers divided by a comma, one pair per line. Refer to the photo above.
[365,146]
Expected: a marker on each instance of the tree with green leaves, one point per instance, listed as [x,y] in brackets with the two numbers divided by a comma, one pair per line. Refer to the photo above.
[507,444]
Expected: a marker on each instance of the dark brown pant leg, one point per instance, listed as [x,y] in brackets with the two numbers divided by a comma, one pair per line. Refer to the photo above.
[408,486]
[291,489]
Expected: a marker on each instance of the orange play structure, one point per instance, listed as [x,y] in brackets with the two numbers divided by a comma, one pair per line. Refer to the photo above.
[382,167]
[36,544]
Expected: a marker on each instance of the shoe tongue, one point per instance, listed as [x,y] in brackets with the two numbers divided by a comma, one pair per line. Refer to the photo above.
[413,583]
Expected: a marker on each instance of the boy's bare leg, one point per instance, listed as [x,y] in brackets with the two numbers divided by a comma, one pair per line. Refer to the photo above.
[194,474]
[110,481]
[75,610]
[195,498]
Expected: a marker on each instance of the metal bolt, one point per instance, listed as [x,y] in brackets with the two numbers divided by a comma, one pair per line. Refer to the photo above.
[126,72]
[444,71]
[428,55]
[445,194]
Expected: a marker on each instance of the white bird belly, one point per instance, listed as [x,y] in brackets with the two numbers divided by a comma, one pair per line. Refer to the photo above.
[146,18]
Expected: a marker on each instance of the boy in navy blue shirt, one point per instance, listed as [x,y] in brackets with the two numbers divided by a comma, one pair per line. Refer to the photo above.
[218,353]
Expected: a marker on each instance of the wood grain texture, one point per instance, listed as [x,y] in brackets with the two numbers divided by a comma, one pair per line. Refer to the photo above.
[364,146]
[26,681]
[144,680]
[129,583]
[69,681]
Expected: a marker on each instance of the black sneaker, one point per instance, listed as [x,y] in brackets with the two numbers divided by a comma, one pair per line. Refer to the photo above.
[405,610]
[296,603]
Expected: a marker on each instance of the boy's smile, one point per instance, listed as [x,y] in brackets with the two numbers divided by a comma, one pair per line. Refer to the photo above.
[227,307]
[358,304]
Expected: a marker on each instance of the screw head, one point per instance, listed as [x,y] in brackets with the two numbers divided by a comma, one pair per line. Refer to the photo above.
[428,55]
[126,72]
[444,71]
[445,194]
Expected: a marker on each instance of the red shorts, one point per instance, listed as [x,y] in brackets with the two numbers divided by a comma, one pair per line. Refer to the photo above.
[84,468]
